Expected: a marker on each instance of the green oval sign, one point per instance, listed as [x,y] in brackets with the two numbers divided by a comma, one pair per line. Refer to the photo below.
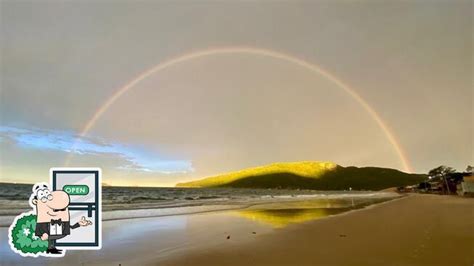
[76,189]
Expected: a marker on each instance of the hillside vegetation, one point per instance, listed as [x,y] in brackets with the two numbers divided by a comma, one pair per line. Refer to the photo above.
[310,175]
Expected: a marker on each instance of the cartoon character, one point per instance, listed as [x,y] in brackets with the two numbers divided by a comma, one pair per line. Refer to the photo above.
[53,220]
[35,233]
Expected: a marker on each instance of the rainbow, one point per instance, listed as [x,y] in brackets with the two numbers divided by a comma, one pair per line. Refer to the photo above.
[244,50]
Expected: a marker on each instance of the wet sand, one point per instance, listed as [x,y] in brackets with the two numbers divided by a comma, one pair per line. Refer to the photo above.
[415,230]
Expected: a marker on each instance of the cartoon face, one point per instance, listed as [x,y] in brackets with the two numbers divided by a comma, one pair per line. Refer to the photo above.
[51,205]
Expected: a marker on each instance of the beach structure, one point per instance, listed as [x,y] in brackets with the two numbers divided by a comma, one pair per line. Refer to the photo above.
[466,186]
[424,187]
[461,183]
[436,187]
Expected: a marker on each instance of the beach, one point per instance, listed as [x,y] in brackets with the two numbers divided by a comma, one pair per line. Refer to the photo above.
[412,230]
[415,230]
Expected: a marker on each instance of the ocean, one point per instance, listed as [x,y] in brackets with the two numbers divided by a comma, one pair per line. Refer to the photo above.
[138,202]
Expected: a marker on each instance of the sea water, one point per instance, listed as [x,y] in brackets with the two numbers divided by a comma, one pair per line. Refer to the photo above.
[136,202]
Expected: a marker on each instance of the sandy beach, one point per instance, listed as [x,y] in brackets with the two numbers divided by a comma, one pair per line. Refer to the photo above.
[414,230]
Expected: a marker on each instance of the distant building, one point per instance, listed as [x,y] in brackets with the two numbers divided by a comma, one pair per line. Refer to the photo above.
[424,187]
[466,186]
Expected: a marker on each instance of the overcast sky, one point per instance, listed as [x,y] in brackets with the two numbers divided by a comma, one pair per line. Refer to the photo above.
[411,61]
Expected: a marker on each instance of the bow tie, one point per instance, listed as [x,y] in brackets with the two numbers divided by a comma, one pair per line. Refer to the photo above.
[58,222]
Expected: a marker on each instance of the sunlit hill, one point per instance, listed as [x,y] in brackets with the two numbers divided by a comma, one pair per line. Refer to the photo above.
[310,175]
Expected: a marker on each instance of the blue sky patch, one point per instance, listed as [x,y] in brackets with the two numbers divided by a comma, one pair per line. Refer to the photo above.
[138,158]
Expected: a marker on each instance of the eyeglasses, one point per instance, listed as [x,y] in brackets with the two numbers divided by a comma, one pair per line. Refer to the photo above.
[44,195]
[46,198]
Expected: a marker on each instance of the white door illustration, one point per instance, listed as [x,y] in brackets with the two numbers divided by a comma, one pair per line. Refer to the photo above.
[84,189]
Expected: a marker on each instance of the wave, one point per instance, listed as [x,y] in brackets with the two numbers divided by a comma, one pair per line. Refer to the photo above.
[144,207]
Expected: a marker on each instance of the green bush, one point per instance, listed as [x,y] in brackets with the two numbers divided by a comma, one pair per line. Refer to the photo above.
[23,237]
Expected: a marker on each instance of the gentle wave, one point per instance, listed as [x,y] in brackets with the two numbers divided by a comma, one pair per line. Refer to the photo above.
[125,203]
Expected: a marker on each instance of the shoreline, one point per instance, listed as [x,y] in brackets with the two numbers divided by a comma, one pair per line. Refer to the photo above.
[412,230]
[214,206]
[199,222]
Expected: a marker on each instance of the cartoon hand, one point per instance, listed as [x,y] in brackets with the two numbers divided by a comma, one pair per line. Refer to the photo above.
[84,222]
[44,236]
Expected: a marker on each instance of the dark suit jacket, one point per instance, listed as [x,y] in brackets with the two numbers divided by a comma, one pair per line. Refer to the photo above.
[42,228]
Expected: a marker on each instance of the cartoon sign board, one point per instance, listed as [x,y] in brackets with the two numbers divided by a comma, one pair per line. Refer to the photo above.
[66,214]
[84,189]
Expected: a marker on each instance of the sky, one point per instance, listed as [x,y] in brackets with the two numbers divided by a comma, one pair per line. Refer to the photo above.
[410,61]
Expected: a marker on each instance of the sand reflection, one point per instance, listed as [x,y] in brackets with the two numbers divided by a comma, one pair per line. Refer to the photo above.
[282,217]
[279,215]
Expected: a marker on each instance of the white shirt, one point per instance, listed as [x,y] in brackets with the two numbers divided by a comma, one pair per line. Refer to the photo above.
[56,229]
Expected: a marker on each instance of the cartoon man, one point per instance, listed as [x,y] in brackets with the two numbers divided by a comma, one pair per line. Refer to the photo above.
[53,216]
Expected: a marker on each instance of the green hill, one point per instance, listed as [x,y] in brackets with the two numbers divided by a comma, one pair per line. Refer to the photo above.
[310,175]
